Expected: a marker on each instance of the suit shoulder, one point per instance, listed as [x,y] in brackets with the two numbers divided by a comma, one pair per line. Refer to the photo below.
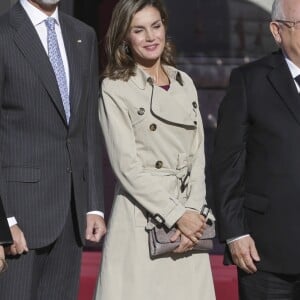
[77,24]
[264,63]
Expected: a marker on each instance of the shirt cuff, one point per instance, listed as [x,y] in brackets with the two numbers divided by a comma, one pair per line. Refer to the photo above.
[11,221]
[96,212]
[228,241]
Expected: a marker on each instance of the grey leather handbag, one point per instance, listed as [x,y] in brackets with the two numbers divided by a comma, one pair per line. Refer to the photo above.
[160,244]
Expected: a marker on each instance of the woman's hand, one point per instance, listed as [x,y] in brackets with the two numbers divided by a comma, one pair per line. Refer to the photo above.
[185,243]
[192,225]
[3,264]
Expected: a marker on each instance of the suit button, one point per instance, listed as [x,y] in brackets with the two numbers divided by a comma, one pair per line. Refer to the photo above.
[69,170]
[153,127]
[141,111]
[69,141]
[158,164]
[195,104]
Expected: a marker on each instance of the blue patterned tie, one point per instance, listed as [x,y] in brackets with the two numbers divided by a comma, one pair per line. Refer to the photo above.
[57,65]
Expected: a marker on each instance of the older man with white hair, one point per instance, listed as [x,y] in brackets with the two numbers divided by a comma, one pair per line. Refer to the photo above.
[257,166]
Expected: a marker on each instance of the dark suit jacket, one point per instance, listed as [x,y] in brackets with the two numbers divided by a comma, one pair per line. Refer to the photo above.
[257,162]
[42,158]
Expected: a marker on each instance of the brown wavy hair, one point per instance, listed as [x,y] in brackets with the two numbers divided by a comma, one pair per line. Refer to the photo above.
[120,63]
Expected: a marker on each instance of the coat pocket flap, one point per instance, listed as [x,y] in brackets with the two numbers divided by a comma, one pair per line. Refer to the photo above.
[19,174]
[256,202]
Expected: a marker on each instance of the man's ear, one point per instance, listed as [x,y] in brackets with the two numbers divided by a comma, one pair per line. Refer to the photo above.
[275,30]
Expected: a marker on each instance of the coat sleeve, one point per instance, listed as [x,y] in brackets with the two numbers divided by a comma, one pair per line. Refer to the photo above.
[146,189]
[197,193]
[229,159]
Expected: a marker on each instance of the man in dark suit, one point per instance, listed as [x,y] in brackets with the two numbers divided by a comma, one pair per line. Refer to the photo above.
[257,166]
[51,182]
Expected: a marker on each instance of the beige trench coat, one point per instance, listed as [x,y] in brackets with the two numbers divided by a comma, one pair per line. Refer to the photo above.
[153,137]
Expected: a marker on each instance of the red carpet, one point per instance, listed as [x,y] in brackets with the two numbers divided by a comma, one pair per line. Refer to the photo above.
[224,277]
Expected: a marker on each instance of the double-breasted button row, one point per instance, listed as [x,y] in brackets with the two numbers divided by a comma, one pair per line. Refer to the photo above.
[158,164]
[195,105]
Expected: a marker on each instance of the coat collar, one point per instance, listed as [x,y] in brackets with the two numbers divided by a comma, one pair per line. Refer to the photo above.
[141,78]
[174,106]
[282,81]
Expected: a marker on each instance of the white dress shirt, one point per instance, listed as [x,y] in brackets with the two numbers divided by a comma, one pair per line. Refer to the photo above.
[295,71]
[38,18]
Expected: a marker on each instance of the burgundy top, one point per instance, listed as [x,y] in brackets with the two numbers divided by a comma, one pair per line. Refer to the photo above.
[165,87]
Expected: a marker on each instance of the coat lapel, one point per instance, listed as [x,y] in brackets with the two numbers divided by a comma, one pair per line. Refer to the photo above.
[28,41]
[282,81]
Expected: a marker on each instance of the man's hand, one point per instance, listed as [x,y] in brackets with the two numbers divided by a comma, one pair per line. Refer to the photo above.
[244,254]
[95,228]
[19,245]
[3,264]
[192,225]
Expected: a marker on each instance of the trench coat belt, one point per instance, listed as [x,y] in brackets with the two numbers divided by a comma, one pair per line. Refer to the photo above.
[182,174]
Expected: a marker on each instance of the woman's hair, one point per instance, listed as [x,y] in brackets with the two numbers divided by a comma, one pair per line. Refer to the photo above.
[277,10]
[121,64]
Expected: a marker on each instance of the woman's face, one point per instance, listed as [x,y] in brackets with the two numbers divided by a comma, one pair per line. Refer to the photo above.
[146,36]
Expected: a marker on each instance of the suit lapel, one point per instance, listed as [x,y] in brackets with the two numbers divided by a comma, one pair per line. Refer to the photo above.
[282,81]
[28,41]
[72,42]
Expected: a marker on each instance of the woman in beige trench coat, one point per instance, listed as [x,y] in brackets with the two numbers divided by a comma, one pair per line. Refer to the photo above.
[154,138]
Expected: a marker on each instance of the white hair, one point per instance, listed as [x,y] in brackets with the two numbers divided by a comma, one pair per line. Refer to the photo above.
[277,10]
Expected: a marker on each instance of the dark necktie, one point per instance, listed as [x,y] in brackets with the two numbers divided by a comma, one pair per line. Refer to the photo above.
[297,79]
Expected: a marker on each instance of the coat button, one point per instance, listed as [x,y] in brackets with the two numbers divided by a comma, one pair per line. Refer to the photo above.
[158,164]
[195,104]
[141,111]
[195,122]
[153,127]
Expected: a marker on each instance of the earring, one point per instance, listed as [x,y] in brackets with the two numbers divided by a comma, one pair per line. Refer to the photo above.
[125,47]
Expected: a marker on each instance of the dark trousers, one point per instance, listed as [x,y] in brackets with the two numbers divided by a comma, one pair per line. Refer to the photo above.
[268,286]
[50,273]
